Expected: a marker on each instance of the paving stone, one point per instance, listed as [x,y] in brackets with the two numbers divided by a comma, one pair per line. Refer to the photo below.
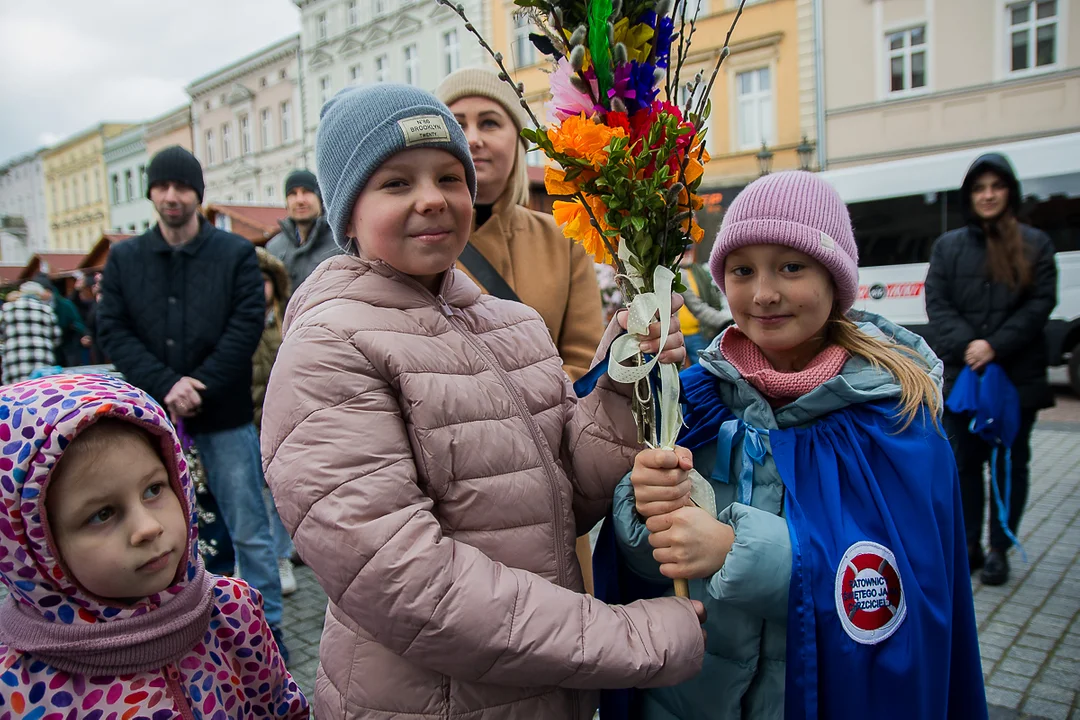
[1029,654]
[1008,681]
[1019,667]
[1054,693]
[1046,709]
[1004,698]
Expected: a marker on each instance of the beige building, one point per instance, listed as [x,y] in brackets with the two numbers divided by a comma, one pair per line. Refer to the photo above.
[246,126]
[915,77]
[172,128]
[76,199]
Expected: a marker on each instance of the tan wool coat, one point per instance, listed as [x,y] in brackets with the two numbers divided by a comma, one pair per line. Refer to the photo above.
[430,460]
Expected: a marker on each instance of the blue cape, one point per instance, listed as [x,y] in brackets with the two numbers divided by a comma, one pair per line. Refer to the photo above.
[877,536]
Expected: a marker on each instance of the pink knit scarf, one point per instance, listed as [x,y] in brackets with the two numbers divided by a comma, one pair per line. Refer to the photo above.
[115,647]
[756,369]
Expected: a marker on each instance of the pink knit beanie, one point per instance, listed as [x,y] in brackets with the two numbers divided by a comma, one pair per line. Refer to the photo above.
[797,209]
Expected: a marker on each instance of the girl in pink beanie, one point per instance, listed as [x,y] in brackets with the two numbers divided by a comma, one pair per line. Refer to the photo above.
[833,563]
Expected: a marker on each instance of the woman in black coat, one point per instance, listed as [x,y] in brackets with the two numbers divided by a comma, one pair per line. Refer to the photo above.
[989,293]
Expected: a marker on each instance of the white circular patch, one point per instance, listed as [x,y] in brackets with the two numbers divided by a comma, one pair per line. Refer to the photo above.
[870,596]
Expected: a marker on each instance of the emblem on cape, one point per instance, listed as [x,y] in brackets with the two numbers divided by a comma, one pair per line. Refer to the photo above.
[870,596]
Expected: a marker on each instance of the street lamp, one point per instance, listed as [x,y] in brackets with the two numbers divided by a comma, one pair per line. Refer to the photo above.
[805,150]
[764,159]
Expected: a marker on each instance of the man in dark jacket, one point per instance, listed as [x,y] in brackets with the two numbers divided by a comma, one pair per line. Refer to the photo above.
[181,313]
[990,290]
[305,239]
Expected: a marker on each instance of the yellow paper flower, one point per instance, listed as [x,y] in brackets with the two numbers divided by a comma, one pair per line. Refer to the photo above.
[636,39]
[576,225]
[580,137]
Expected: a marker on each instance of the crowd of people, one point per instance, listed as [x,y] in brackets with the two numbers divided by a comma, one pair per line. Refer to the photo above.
[385,393]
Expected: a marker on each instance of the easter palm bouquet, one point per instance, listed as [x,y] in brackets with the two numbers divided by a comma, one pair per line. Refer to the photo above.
[627,141]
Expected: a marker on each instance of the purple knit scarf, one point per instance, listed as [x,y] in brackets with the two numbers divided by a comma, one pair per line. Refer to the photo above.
[115,647]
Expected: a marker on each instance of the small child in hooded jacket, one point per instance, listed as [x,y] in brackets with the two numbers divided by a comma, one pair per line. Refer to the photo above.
[111,612]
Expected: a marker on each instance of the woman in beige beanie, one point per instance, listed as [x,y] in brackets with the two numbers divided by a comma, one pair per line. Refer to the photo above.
[526,248]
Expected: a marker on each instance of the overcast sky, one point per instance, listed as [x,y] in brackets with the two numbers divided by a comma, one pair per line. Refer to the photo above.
[66,65]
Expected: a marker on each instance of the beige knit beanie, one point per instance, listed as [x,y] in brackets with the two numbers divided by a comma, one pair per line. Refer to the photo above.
[483,82]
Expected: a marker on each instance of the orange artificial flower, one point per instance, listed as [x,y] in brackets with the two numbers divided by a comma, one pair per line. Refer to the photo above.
[576,224]
[694,168]
[580,137]
[556,184]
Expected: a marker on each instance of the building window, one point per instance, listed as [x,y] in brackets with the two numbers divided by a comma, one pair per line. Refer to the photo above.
[321,31]
[226,142]
[86,188]
[286,121]
[206,105]
[1033,31]
[128,187]
[451,51]
[249,197]
[524,52]
[353,14]
[245,135]
[379,7]
[97,185]
[264,122]
[114,185]
[142,181]
[356,75]
[412,65]
[756,121]
[269,193]
[283,74]
[145,225]
[67,198]
[209,147]
[907,59]
[324,89]
[382,68]
[263,82]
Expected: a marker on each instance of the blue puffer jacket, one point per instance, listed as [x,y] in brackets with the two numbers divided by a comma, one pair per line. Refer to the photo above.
[743,675]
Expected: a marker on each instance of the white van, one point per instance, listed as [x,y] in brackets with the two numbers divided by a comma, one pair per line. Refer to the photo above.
[899,208]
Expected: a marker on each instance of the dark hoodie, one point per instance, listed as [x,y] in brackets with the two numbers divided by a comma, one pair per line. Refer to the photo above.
[964,304]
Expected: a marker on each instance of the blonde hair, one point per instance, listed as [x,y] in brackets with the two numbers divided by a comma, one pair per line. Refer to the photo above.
[917,389]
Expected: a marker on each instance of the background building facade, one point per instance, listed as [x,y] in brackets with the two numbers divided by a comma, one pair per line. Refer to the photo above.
[172,128]
[914,77]
[351,42]
[246,127]
[22,208]
[76,199]
[125,167]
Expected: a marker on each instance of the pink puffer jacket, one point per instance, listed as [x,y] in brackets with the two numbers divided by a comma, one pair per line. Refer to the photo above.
[429,457]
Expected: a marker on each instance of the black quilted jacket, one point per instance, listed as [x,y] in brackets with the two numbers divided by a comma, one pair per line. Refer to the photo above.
[964,304]
[197,310]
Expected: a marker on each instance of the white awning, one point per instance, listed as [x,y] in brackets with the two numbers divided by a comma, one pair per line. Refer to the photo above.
[1039,158]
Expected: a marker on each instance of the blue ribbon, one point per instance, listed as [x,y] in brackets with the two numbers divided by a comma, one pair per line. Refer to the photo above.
[1003,505]
[753,453]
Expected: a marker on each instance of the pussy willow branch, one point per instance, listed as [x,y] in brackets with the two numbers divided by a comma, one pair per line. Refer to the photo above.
[519,89]
[681,7]
[720,61]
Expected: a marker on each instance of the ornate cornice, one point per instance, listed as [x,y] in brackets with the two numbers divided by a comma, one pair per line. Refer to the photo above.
[245,66]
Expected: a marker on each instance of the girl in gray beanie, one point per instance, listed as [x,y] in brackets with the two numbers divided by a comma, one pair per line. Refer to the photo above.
[430,460]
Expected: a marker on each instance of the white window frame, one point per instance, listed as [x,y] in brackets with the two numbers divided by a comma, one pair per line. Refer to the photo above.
[1060,20]
[765,102]
[382,68]
[325,89]
[270,194]
[286,121]
[451,51]
[322,28]
[246,147]
[226,142]
[129,185]
[906,52]
[249,197]
[356,74]
[379,8]
[266,125]
[523,51]
[411,62]
[352,13]
[209,147]
[114,189]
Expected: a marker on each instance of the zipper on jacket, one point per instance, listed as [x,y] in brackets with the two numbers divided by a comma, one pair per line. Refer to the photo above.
[176,692]
[523,411]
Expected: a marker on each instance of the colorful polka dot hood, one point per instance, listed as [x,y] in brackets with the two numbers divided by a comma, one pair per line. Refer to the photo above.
[38,419]
[234,671]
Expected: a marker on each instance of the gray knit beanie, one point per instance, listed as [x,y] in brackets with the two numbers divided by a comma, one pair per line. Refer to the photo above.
[360,128]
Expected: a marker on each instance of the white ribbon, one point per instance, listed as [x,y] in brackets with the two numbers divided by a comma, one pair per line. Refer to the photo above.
[642,311]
